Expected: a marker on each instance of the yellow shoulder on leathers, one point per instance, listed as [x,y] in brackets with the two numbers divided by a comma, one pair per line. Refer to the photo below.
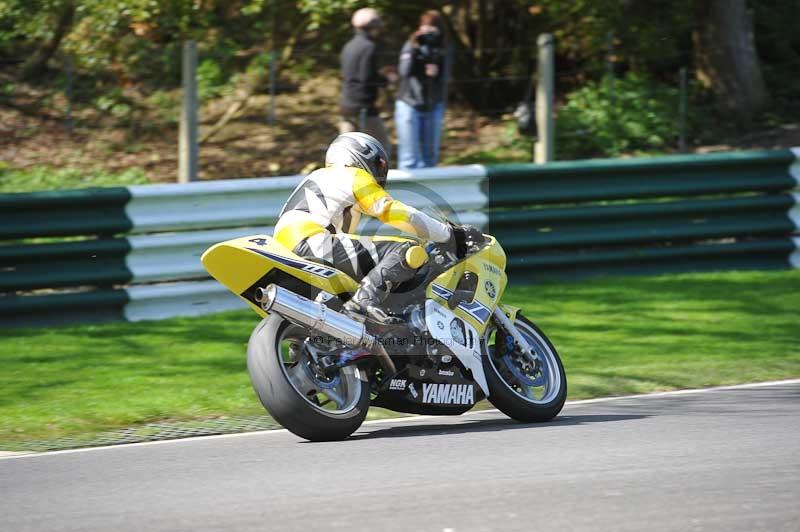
[373,200]
[346,187]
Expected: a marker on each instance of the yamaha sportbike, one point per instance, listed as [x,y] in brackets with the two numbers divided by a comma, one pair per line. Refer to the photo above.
[318,370]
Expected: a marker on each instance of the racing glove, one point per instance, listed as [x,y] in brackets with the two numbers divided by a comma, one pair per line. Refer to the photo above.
[464,238]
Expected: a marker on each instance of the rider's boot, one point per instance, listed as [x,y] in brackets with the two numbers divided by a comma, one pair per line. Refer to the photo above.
[397,266]
[367,302]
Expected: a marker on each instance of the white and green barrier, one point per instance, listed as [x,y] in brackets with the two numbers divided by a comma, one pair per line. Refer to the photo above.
[133,252]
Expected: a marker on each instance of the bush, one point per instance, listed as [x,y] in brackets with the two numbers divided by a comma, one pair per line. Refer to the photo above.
[210,80]
[615,117]
[167,107]
[115,103]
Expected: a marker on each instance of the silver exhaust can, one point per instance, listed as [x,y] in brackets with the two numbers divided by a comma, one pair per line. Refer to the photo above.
[316,316]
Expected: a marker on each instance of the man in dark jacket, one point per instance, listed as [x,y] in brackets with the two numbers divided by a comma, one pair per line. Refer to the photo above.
[361,78]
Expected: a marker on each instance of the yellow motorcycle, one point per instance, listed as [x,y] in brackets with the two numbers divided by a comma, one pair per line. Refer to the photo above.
[317,370]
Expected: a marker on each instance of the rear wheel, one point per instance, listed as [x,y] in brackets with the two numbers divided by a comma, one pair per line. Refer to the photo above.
[314,405]
[519,388]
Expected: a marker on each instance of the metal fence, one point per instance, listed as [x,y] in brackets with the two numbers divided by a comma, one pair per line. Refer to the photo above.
[288,121]
[133,253]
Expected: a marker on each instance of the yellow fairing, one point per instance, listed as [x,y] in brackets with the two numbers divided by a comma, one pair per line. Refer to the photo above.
[489,265]
[240,263]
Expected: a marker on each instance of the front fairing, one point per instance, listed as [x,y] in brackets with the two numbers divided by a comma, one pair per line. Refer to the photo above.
[489,265]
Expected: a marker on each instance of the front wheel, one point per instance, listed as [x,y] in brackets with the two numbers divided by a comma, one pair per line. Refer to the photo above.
[311,404]
[520,389]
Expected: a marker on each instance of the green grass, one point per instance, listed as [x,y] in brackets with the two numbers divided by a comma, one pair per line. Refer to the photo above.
[501,155]
[616,336]
[513,148]
[641,334]
[45,178]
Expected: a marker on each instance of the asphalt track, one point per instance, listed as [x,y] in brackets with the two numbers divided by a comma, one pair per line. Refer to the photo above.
[725,459]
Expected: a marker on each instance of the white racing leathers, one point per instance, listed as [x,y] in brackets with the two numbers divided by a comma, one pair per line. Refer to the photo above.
[319,216]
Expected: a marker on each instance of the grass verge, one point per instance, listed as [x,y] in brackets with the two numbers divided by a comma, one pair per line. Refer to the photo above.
[616,336]
[40,178]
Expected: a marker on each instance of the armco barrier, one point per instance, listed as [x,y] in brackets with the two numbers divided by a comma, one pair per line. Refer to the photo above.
[676,213]
[133,252]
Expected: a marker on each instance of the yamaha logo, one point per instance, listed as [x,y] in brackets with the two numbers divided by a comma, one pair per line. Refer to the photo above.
[448,394]
[491,291]
[491,269]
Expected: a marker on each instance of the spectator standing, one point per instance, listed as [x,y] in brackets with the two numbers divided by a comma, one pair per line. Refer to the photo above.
[419,108]
[361,78]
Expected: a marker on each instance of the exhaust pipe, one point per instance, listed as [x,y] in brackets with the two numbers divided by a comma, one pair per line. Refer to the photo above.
[313,315]
[316,316]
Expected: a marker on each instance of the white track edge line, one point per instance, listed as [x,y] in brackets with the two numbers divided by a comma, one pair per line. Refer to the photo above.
[408,419]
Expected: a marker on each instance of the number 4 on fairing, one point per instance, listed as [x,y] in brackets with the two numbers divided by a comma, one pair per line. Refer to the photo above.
[318,370]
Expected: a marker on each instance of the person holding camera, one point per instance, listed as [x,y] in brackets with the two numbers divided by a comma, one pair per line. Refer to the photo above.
[419,108]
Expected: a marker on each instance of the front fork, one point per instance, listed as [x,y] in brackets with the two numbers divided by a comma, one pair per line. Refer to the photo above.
[519,341]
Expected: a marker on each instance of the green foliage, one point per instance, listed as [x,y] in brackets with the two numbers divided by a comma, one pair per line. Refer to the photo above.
[135,38]
[48,178]
[210,81]
[124,46]
[115,104]
[260,64]
[167,104]
[7,90]
[627,32]
[27,20]
[513,148]
[321,12]
[616,116]
[778,46]
[304,68]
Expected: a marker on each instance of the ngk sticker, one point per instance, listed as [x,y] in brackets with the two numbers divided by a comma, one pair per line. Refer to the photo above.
[397,384]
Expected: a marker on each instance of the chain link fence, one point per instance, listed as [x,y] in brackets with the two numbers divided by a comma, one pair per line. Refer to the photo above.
[284,125]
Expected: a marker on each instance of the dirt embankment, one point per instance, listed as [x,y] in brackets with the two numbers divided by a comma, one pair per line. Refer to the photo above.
[34,131]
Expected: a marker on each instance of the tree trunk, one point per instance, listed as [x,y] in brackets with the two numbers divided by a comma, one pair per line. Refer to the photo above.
[725,56]
[37,62]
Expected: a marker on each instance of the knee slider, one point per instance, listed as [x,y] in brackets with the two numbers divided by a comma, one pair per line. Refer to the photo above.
[415,257]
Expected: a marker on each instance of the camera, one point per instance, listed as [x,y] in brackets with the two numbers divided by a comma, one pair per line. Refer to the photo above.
[430,46]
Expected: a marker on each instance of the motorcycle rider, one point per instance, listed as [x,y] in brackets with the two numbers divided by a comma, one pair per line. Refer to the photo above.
[320,216]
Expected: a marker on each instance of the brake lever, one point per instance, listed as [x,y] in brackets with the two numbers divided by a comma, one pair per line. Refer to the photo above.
[440,256]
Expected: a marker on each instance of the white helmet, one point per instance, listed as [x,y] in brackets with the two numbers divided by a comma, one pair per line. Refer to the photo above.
[361,151]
